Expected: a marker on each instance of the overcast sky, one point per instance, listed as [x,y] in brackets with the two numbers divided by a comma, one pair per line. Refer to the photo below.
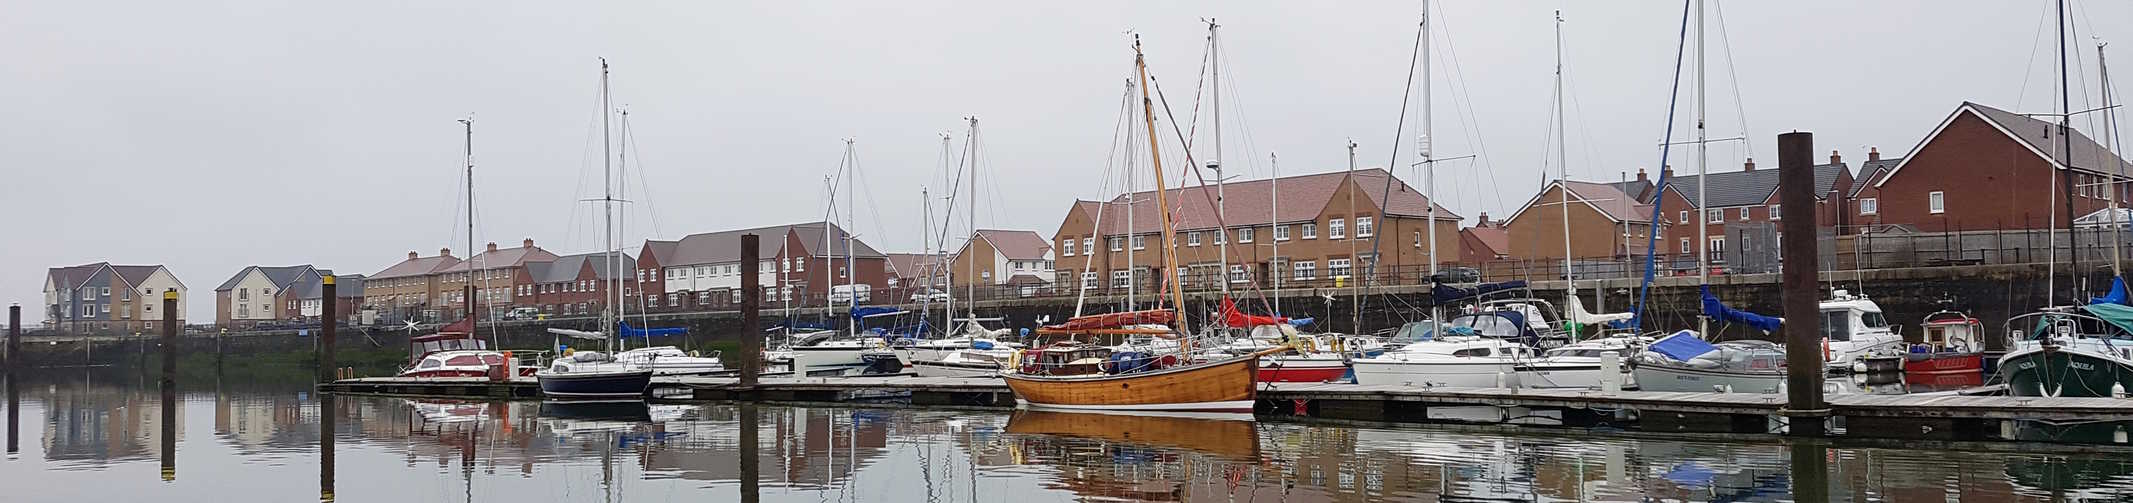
[208,136]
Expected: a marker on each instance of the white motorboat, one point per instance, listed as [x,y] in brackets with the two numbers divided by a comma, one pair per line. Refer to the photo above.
[820,350]
[1748,366]
[1581,364]
[965,363]
[1855,330]
[1480,350]
[661,360]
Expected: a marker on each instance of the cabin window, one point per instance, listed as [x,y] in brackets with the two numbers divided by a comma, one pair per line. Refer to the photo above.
[1935,204]
[464,360]
[1471,352]
[1874,320]
[1310,230]
[492,359]
[1837,326]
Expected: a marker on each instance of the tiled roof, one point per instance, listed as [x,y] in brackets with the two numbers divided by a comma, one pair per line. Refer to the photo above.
[346,287]
[1496,240]
[725,246]
[565,268]
[2086,154]
[1251,202]
[1636,189]
[1611,201]
[502,258]
[662,250]
[1017,245]
[279,276]
[135,274]
[1871,172]
[419,266]
[78,275]
[1750,187]
[912,265]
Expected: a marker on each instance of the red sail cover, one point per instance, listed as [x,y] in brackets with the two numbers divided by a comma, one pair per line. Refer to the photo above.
[1236,319]
[458,327]
[1117,320]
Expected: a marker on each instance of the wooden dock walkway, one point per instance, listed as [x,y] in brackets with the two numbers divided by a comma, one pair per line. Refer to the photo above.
[1950,416]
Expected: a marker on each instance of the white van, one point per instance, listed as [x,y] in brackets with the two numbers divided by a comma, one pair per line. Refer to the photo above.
[844,293]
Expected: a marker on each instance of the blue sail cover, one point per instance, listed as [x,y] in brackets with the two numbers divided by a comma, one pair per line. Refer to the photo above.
[2117,295]
[872,311]
[629,331]
[1299,322]
[1681,346]
[1715,309]
[1442,294]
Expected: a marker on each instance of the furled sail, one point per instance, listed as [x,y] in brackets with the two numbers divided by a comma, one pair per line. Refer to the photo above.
[1718,310]
[1237,319]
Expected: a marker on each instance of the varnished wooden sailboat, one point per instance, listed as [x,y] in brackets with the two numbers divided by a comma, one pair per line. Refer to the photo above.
[1071,375]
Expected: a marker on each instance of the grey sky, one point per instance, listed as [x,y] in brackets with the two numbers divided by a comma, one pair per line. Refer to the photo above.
[208,136]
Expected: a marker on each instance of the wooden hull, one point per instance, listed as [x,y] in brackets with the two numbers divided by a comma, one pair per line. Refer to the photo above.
[1226,386]
[1232,438]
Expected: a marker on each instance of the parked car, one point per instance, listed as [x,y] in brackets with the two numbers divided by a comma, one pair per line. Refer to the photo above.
[1458,275]
[523,313]
[929,295]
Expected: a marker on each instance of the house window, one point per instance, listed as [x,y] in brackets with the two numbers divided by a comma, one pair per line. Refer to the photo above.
[1744,210]
[1935,204]
[1869,206]
[242,294]
[1116,243]
[1337,268]
[1684,246]
[1192,238]
[1221,236]
[1718,245]
[1088,246]
[1774,213]
[1236,274]
[1245,235]
[1281,233]
[1364,227]
[292,304]
[1310,230]
[1119,279]
[1336,229]
[1714,215]
[1307,270]
[649,301]
[1140,242]
[1067,246]
[674,299]
[1683,217]
[1088,280]
[1418,240]
[127,295]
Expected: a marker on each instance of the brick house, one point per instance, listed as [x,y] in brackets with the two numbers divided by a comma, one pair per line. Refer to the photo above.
[572,285]
[258,294]
[911,271]
[494,274]
[1483,242]
[703,271]
[410,290]
[106,298]
[348,297]
[1326,228]
[994,257]
[1748,199]
[1986,168]
[1604,222]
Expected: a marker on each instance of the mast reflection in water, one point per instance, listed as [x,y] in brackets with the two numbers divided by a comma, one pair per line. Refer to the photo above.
[270,441]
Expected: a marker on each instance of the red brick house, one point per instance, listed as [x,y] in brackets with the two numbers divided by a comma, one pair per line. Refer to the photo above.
[702,271]
[1986,168]
[572,285]
[1483,242]
[1748,196]
[494,274]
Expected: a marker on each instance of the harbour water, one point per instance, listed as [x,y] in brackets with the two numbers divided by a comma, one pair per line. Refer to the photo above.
[98,435]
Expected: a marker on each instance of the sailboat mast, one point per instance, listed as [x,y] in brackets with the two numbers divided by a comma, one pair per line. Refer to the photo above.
[1132,283]
[2110,133]
[614,253]
[1562,161]
[829,256]
[851,260]
[1355,291]
[1214,65]
[1703,175]
[472,320]
[2066,139]
[947,271]
[607,191]
[1162,203]
[1423,147]
[971,155]
[1274,219]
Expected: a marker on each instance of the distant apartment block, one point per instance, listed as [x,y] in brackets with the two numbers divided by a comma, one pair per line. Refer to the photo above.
[106,298]
[800,264]
[258,294]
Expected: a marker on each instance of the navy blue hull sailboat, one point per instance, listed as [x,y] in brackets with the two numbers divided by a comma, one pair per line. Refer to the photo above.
[592,374]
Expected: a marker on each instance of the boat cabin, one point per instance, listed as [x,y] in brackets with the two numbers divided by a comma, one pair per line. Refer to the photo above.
[1846,317]
[1952,331]
[421,346]
[1065,358]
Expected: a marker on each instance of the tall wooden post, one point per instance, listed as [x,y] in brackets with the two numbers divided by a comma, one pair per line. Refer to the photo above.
[328,323]
[1803,315]
[751,457]
[751,311]
[170,384]
[14,338]
[14,393]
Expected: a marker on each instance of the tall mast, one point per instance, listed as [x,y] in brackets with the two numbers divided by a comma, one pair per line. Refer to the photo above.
[1562,161]
[1133,284]
[829,256]
[925,249]
[1424,147]
[1703,175]
[947,271]
[2066,139]
[614,248]
[1162,203]
[1214,65]
[1355,291]
[607,191]
[1274,219]
[2110,133]
[971,146]
[472,320]
[851,261]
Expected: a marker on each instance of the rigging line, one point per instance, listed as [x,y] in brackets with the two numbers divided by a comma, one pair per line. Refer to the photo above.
[1205,194]
[1471,119]
[2030,67]
[1399,129]
[643,184]
[1584,133]
[1644,290]
[1243,122]
[1199,89]
[1725,43]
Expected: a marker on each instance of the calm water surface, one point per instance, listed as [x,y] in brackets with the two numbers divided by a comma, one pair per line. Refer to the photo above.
[101,438]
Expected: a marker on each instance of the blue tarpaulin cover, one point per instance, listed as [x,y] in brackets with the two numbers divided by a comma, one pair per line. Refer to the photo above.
[2117,296]
[1681,346]
[1715,309]
[866,311]
[1298,322]
[629,331]
[1443,294]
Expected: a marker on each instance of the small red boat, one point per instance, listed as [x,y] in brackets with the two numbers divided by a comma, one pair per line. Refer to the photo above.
[1953,345]
[1295,367]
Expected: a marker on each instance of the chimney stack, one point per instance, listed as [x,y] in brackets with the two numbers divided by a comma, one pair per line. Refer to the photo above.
[1640,175]
[492,246]
[1873,154]
[1748,166]
[444,252]
[411,255]
[1666,172]
[1834,158]
[529,242]
[1484,220]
